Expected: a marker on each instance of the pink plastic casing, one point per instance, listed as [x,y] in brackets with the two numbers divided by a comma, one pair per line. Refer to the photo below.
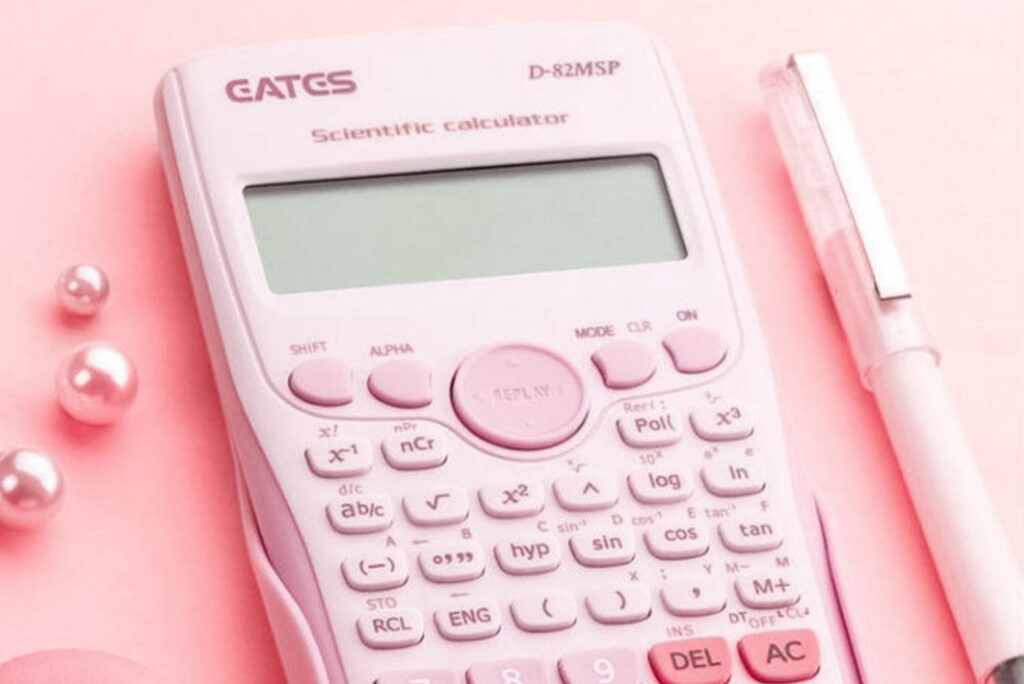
[214,146]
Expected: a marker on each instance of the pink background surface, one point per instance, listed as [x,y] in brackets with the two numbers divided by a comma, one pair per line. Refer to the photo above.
[147,559]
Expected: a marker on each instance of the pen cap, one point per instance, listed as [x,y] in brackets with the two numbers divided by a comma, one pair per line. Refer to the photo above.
[803,147]
[842,211]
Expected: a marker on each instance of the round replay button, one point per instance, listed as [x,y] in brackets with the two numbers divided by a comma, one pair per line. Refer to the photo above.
[519,396]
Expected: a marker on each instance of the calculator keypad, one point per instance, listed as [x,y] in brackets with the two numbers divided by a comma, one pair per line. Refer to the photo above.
[700,487]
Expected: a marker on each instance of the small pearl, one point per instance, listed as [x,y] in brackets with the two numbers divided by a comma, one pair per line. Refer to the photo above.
[83,289]
[31,488]
[96,383]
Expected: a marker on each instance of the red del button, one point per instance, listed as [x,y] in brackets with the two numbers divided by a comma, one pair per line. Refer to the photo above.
[692,661]
[519,396]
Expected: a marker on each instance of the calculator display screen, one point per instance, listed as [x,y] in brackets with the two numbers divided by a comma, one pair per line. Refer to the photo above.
[469,223]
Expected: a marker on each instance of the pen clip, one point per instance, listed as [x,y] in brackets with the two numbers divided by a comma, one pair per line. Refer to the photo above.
[851,169]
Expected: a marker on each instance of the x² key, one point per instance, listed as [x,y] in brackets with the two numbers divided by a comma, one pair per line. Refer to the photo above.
[512,499]
[722,422]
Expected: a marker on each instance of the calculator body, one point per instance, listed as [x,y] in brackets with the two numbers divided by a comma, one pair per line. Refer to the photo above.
[517,464]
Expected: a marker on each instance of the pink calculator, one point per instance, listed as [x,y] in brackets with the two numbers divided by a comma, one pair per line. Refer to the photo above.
[498,399]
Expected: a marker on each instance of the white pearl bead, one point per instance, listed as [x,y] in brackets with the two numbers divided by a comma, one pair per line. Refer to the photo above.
[83,289]
[96,383]
[31,488]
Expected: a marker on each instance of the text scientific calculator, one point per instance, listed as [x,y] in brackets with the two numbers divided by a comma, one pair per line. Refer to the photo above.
[498,398]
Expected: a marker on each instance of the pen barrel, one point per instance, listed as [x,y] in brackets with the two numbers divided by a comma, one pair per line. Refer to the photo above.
[978,572]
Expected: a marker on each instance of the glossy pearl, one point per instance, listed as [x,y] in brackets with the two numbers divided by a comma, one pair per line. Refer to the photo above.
[96,383]
[83,289]
[31,488]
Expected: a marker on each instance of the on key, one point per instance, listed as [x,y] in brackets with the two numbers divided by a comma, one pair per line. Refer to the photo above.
[692,661]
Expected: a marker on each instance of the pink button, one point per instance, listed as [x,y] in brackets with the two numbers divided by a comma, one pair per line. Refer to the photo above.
[692,661]
[601,666]
[695,349]
[401,383]
[519,396]
[515,671]
[624,364]
[324,382]
[418,677]
[789,656]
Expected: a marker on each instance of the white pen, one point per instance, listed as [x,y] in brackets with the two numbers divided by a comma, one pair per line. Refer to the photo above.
[898,363]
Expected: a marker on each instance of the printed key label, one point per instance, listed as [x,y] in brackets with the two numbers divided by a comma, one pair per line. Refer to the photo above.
[416,444]
[361,509]
[394,624]
[480,615]
[663,422]
[670,481]
[534,551]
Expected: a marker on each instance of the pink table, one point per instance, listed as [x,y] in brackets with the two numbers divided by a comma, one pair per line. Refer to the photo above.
[147,559]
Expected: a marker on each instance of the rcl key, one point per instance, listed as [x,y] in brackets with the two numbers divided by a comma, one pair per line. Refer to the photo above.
[391,629]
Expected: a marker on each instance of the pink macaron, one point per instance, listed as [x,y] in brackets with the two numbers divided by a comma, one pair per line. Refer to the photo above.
[76,667]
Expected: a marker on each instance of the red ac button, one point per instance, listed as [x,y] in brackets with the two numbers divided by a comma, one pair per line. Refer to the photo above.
[785,656]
